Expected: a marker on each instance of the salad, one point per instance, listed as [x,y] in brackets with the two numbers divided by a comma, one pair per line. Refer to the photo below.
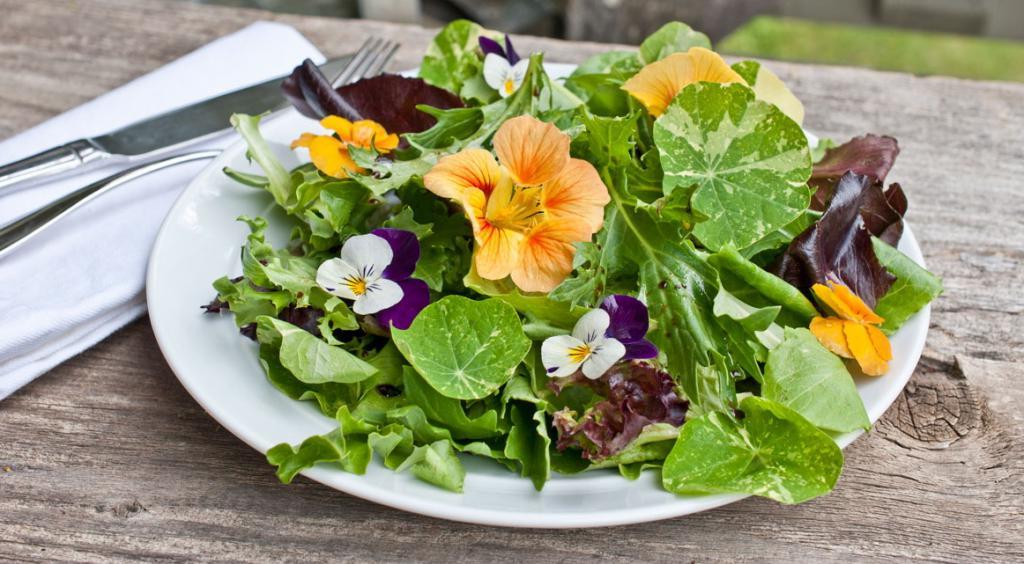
[645,265]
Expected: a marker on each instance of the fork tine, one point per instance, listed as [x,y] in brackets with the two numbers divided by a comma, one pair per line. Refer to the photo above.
[369,63]
[382,59]
[358,61]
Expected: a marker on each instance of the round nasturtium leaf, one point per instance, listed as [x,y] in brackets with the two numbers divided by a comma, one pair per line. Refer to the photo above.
[464,349]
[746,162]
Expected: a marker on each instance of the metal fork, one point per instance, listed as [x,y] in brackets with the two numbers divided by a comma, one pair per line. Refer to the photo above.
[368,61]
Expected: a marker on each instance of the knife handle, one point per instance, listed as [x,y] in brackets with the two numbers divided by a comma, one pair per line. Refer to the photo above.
[52,161]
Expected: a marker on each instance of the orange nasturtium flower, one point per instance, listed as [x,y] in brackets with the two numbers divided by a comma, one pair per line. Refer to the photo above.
[329,153]
[659,82]
[853,332]
[528,207]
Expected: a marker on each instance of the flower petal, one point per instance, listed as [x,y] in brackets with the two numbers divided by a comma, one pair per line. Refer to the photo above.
[829,332]
[591,327]
[845,303]
[497,251]
[496,70]
[658,83]
[380,294]
[881,342]
[456,175]
[640,350]
[602,357]
[546,252]
[331,157]
[369,254]
[556,353]
[415,297]
[304,140]
[510,52]
[339,125]
[405,249]
[367,133]
[577,192]
[870,361]
[628,315]
[331,276]
[534,152]
[489,46]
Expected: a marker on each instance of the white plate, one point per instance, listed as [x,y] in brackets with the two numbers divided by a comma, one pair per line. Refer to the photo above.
[200,241]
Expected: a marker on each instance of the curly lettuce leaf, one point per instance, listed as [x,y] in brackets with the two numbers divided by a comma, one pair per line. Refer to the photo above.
[772,451]
[632,396]
[807,378]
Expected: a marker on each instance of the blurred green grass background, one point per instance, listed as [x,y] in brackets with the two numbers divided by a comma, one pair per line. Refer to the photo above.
[917,52]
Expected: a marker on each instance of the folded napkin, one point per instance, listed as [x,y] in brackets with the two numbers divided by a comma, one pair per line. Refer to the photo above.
[83,278]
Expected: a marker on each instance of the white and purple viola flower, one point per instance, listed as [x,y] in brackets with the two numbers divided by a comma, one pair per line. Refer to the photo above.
[615,331]
[504,71]
[375,272]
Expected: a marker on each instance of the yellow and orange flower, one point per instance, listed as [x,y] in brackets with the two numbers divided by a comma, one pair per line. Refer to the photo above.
[659,82]
[527,207]
[330,153]
[853,332]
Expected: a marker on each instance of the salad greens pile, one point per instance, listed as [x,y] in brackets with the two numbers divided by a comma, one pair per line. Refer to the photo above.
[645,265]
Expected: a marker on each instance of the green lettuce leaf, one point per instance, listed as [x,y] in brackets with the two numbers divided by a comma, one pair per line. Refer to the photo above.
[345,446]
[672,37]
[807,378]
[771,452]
[308,358]
[528,444]
[448,412]
[762,286]
[463,348]
[453,57]
[279,181]
[746,162]
[914,288]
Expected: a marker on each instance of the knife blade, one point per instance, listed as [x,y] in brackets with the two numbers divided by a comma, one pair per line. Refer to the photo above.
[159,133]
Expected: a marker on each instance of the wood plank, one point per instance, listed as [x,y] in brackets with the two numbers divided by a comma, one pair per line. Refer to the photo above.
[107,457]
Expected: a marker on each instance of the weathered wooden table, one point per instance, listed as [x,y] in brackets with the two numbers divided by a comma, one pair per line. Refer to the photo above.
[108,457]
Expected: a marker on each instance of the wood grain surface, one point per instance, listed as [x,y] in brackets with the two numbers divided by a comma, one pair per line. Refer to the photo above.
[107,457]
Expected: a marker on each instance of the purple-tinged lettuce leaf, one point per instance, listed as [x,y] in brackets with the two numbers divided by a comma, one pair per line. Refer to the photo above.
[636,395]
[389,99]
[311,93]
[870,155]
[838,247]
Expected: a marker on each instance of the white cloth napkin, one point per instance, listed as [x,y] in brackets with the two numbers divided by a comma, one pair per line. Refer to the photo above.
[83,278]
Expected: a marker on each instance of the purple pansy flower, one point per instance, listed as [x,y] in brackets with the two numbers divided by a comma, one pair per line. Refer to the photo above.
[615,331]
[375,272]
[504,71]
[628,323]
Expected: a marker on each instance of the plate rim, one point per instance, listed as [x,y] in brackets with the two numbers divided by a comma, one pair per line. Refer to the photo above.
[350,483]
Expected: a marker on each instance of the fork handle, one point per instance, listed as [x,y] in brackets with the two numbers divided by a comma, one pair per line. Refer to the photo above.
[20,230]
[52,161]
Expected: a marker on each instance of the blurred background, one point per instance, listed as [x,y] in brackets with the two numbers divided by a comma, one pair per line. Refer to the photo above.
[980,39]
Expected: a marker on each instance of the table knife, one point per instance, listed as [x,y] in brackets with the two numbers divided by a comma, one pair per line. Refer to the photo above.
[152,136]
